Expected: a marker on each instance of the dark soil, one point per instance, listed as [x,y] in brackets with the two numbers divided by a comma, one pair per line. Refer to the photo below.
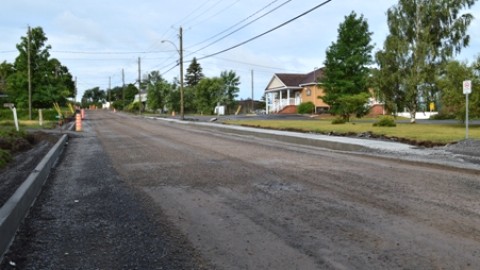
[28,153]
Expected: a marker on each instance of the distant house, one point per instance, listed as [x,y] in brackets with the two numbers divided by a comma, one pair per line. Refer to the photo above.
[288,90]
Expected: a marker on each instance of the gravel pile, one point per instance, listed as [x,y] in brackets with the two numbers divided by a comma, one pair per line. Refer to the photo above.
[469,147]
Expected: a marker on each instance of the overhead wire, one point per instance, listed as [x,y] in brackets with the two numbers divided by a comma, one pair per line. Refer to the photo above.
[266,32]
[208,8]
[238,23]
[217,13]
[235,31]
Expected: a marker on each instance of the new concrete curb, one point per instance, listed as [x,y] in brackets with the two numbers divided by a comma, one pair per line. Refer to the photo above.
[16,208]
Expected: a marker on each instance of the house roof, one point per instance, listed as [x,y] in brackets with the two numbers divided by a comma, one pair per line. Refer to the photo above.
[291,79]
[313,77]
[297,80]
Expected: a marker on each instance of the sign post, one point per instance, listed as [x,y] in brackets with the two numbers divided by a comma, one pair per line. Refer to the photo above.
[14,110]
[467,89]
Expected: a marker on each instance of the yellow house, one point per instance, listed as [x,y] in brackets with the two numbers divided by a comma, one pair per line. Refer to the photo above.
[288,90]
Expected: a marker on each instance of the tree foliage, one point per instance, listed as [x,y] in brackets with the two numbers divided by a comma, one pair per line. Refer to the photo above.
[51,81]
[209,92]
[424,35]
[157,91]
[346,67]
[231,84]
[93,96]
[453,99]
[194,74]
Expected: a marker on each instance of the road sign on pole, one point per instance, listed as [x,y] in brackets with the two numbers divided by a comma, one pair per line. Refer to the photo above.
[467,89]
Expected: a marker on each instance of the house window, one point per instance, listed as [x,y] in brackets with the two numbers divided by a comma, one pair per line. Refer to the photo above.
[309,92]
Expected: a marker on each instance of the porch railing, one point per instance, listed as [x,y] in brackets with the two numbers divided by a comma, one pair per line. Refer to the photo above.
[279,104]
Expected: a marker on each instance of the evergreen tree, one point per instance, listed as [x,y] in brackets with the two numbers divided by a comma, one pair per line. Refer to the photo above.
[194,74]
[346,71]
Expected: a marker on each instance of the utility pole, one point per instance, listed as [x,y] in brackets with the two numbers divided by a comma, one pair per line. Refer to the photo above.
[182,115]
[123,89]
[139,87]
[253,102]
[109,91]
[29,76]
[75,91]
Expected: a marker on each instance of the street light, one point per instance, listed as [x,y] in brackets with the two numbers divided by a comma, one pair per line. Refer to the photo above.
[180,52]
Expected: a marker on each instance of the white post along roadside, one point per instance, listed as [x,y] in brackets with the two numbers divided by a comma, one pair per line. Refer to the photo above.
[467,89]
[14,110]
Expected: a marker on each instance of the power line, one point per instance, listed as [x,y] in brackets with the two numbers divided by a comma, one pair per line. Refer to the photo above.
[207,9]
[267,32]
[218,12]
[233,32]
[258,11]
[107,53]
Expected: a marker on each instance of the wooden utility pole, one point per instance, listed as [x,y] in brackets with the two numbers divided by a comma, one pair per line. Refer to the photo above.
[139,87]
[123,89]
[182,115]
[75,91]
[29,76]
[110,89]
[253,102]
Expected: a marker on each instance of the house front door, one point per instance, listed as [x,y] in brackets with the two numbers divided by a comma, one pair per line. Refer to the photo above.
[298,98]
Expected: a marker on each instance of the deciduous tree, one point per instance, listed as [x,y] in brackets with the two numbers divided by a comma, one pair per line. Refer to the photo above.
[157,91]
[51,81]
[230,82]
[453,99]
[208,93]
[424,35]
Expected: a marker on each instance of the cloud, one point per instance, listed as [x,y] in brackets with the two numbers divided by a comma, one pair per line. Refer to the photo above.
[82,30]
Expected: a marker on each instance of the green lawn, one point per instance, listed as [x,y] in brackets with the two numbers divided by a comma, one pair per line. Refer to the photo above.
[436,133]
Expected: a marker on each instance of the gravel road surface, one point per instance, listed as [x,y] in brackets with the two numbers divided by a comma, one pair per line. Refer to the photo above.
[161,195]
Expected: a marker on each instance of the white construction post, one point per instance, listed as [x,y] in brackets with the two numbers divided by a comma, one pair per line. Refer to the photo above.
[467,89]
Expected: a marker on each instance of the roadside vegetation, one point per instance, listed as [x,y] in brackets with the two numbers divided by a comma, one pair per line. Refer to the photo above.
[418,134]
[11,141]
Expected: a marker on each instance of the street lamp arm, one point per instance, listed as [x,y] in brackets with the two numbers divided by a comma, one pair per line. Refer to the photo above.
[180,53]
[168,41]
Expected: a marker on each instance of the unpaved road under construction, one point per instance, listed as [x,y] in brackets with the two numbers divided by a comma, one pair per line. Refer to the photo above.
[243,202]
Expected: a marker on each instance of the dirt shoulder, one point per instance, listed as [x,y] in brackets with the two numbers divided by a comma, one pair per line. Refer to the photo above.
[29,153]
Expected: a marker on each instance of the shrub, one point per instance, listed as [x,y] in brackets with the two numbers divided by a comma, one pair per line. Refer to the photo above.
[133,107]
[339,120]
[443,116]
[385,121]
[5,157]
[306,107]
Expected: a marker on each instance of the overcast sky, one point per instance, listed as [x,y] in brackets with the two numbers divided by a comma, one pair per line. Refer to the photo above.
[96,39]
